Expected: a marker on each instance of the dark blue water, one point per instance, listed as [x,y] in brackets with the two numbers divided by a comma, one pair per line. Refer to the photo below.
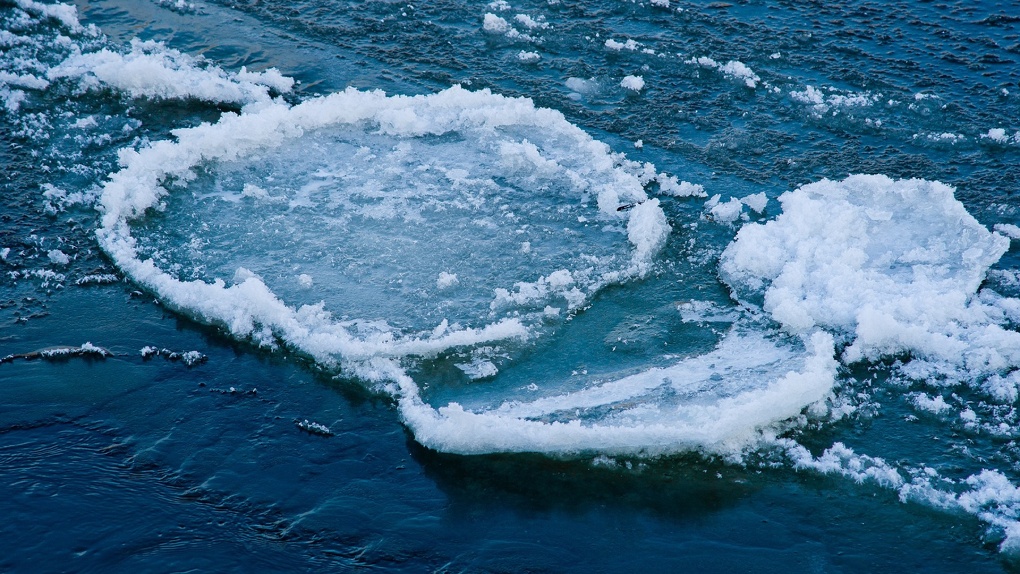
[128,463]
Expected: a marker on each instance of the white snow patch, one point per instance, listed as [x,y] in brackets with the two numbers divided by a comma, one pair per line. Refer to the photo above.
[57,256]
[1008,229]
[446,280]
[732,69]
[892,265]
[616,46]
[154,71]
[633,83]
[528,57]
[724,211]
[756,201]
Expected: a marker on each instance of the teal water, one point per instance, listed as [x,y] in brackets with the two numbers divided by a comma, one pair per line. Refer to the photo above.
[150,464]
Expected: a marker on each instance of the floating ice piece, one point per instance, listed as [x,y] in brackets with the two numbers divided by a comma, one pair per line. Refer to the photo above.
[822,102]
[66,14]
[97,279]
[528,57]
[152,70]
[892,265]
[756,201]
[494,24]
[719,402]
[181,6]
[57,256]
[629,44]
[531,23]
[998,135]
[57,199]
[312,427]
[189,358]
[60,352]
[446,280]
[581,167]
[944,137]
[839,459]
[633,83]
[27,81]
[582,86]
[988,495]
[478,369]
[670,185]
[936,404]
[733,69]
[724,211]
[1008,229]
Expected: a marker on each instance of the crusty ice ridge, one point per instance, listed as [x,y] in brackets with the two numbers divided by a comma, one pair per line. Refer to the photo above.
[770,384]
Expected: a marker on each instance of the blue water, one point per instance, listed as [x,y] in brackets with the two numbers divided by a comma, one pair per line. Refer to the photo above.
[127,463]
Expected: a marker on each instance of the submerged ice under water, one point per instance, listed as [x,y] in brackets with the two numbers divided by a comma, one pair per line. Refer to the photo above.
[425,245]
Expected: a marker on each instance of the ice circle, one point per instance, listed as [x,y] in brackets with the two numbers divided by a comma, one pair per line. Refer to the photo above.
[359,224]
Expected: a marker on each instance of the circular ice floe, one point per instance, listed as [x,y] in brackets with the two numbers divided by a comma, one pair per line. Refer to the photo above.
[374,197]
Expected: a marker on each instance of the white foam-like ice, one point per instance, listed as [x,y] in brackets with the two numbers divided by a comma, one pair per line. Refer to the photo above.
[628,44]
[670,185]
[528,57]
[999,135]
[531,23]
[152,70]
[724,211]
[494,24]
[825,100]
[988,494]
[633,83]
[66,14]
[891,265]
[733,69]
